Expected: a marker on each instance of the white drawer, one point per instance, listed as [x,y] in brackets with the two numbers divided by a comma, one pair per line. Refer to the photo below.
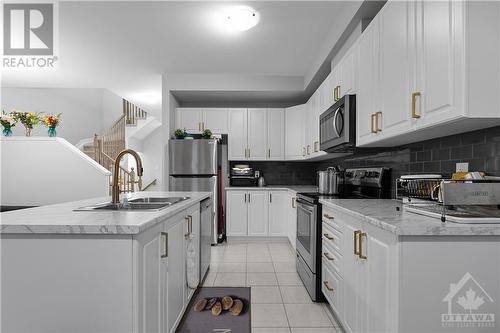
[331,287]
[332,258]
[331,237]
[329,218]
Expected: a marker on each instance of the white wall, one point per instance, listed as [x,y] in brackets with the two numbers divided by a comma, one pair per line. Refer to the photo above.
[41,171]
[152,156]
[84,111]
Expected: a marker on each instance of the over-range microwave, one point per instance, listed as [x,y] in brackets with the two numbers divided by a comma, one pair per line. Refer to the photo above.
[337,126]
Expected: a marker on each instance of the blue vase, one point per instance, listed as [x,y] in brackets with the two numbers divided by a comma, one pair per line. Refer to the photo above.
[7,131]
[52,132]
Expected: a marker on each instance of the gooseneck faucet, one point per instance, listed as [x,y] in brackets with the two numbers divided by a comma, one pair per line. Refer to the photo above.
[115,190]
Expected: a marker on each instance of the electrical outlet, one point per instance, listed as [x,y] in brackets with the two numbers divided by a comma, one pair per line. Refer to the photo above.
[462,167]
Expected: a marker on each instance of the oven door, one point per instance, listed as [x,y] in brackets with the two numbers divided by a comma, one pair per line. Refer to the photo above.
[306,233]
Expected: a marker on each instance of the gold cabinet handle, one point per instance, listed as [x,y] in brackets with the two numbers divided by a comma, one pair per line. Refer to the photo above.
[316,146]
[303,151]
[328,236]
[269,153]
[338,93]
[249,154]
[293,202]
[360,242]
[327,286]
[203,126]
[414,105]
[328,256]
[189,221]
[328,216]
[164,236]
[377,116]
[334,94]
[308,149]
[373,129]
[356,234]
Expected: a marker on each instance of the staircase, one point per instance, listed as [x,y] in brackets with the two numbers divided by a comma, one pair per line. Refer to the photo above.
[105,148]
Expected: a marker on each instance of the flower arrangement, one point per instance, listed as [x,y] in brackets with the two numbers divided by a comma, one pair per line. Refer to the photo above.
[8,121]
[51,121]
[28,119]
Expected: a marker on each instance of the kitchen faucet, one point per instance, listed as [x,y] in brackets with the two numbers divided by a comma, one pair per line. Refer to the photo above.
[115,190]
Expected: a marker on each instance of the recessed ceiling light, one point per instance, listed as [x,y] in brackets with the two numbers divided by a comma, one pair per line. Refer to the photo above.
[237,18]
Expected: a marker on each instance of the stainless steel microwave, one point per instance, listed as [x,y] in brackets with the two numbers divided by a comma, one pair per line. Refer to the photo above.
[337,126]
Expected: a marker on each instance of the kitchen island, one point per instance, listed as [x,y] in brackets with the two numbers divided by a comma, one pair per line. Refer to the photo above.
[386,269]
[96,271]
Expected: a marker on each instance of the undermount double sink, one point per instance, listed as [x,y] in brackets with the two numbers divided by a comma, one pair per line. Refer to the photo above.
[147,203]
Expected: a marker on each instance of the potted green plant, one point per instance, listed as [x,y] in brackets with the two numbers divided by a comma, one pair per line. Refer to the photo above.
[207,134]
[179,134]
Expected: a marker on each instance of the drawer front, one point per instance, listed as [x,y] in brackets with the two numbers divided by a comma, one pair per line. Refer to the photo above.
[331,287]
[332,259]
[331,219]
[331,237]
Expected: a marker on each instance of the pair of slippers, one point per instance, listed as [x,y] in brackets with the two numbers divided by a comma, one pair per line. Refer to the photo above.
[234,306]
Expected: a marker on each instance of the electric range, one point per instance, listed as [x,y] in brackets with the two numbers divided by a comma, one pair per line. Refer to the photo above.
[366,183]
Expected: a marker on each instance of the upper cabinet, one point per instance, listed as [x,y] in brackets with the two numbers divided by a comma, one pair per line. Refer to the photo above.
[428,69]
[295,132]
[276,134]
[256,134]
[196,120]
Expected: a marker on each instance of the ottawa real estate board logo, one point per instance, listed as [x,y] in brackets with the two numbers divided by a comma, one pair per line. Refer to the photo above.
[29,34]
[468,305]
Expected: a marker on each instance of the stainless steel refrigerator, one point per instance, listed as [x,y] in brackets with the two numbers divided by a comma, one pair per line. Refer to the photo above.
[196,166]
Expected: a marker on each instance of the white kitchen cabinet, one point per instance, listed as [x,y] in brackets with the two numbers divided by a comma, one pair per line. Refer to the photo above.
[196,120]
[189,119]
[348,73]
[295,132]
[276,134]
[396,72]
[176,288]
[215,119]
[278,217]
[192,226]
[237,213]
[238,134]
[292,219]
[152,281]
[435,75]
[257,134]
[367,104]
[258,218]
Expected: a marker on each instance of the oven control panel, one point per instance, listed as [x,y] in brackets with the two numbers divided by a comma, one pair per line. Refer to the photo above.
[371,177]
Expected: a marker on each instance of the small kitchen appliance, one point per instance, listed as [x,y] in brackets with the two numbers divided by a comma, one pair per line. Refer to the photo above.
[366,183]
[469,200]
[337,126]
[243,175]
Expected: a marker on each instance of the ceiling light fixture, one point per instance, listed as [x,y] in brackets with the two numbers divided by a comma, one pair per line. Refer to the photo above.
[237,18]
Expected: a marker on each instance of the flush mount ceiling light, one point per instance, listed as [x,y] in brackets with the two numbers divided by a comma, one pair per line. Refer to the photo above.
[237,18]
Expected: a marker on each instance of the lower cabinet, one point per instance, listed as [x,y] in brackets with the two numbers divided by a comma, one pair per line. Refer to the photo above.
[278,214]
[359,287]
[162,282]
[291,208]
[259,213]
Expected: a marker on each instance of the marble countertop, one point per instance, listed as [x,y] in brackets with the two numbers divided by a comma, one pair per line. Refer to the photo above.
[293,188]
[62,219]
[382,213]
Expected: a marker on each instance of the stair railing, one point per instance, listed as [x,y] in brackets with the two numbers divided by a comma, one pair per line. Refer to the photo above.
[108,145]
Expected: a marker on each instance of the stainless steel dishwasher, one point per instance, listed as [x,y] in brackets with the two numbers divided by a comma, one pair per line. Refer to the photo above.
[206,214]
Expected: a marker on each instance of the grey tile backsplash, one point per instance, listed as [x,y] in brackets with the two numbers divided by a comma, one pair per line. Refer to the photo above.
[481,149]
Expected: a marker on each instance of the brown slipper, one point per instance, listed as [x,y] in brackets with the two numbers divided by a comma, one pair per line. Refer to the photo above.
[217,309]
[200,305]
[211,303]
[236,308]
[227,302]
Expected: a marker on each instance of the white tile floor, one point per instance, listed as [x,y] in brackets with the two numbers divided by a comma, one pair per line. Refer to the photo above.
[280,303]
